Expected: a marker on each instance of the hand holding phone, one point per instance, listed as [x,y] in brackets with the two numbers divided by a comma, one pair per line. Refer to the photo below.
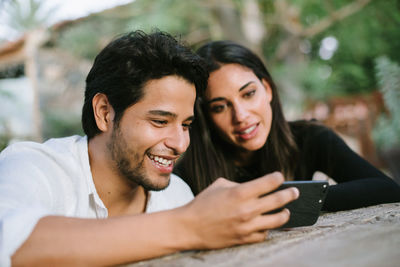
[305,210]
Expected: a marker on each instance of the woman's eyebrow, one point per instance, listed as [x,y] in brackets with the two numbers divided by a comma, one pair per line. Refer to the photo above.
[216,99]
[244,86]
[223,98]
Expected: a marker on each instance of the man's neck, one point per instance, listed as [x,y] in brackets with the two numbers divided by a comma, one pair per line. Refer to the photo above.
[133,202]
[120,196]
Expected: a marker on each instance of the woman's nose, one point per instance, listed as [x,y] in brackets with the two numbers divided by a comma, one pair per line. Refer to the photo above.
[239,113]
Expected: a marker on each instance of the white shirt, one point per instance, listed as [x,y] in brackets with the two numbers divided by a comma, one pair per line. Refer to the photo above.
[54,178]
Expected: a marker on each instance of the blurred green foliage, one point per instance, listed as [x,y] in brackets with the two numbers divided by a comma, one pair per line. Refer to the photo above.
[5,136]
[368,33]
[293,32]
[387,130]
[25,15]
[372,32]
[363,36]
[59,124]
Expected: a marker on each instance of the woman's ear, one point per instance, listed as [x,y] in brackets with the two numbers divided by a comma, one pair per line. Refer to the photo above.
[103,112]
[268,89]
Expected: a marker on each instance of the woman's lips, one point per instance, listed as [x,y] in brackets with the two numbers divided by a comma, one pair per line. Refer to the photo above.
[248,132]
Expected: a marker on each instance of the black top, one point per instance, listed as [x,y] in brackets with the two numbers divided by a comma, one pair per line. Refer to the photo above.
[359,184]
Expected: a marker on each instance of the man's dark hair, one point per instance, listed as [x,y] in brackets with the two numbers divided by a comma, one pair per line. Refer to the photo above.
[123,67]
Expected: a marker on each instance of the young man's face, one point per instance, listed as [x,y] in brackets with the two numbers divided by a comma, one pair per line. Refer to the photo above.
[154,132]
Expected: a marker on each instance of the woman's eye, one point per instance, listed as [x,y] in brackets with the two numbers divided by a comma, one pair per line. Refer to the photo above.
[217,108]
[249,94]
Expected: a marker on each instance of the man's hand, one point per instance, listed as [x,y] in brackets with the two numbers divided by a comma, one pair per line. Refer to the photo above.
[228,213]
[223,215]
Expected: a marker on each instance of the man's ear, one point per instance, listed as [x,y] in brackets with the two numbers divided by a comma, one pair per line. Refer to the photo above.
[103,112]
[268,89]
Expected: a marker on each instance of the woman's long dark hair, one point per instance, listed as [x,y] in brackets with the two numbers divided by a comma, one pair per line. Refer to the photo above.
[209,156]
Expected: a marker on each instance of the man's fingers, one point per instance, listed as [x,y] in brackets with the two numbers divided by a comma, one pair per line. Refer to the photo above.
[270,221]
[222,182]
[262,185]
[254,237]
[277,199]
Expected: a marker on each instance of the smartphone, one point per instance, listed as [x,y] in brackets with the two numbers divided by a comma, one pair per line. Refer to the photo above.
[305,210]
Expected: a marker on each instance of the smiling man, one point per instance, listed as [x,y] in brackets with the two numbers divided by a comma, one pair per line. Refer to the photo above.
[109,197]
[139,149]
[162,119]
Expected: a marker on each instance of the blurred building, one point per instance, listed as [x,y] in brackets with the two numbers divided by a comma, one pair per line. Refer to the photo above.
[353,118]
[39,80]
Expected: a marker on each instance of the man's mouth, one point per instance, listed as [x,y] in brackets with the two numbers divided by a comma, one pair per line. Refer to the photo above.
[164,162]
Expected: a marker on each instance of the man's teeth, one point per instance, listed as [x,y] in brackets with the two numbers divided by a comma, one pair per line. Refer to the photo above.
[249,130]
[160,160]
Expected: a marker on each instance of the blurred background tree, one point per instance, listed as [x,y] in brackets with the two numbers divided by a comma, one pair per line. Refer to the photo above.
[387,131]
[20,16]
[316,51]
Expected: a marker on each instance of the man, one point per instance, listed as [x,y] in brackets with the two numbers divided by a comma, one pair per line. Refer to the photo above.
[109,197]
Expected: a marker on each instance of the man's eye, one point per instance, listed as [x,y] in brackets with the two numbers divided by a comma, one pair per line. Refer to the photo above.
[186,125]
[160,122]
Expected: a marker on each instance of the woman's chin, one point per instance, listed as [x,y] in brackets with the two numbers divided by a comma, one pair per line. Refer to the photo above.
[253,144]
[250,146]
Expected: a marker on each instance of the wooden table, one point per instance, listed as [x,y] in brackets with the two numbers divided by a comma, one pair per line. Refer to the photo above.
[361,237]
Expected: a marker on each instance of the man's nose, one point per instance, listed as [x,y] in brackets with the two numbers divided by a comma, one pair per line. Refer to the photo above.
[178,140]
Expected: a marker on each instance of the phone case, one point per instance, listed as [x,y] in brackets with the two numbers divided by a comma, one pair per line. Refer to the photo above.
[305,210]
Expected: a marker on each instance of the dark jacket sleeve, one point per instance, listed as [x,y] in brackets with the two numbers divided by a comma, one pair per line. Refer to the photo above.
[359,184]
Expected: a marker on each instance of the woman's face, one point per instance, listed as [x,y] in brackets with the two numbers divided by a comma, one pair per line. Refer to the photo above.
[239,105]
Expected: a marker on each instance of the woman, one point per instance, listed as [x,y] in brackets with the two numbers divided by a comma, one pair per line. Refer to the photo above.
[240,133]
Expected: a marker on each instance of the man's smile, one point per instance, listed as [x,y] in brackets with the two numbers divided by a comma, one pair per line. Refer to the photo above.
[162,163]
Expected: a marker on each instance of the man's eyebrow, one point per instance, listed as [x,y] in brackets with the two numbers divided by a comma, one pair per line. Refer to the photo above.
[223,98]
[168,114]
[162,113]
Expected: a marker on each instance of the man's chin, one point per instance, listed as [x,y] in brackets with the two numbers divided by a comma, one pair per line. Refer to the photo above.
[161,182]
